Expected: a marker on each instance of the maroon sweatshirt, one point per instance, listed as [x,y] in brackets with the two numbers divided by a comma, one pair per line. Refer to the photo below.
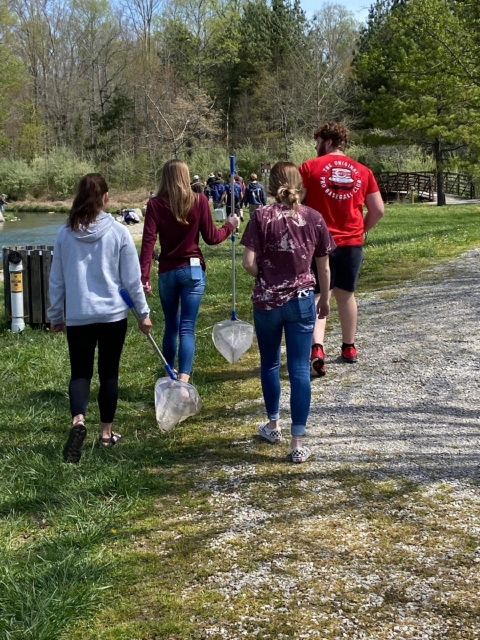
[178,242]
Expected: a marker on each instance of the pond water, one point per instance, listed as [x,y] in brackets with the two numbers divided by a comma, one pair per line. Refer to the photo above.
[31,229]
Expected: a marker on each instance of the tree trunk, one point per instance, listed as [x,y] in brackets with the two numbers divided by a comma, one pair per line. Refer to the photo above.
[439,170]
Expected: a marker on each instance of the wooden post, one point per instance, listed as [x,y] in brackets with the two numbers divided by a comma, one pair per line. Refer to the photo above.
[47,263]
[35,269]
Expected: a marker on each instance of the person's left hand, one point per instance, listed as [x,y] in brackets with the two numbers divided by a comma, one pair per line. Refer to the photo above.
[57,328]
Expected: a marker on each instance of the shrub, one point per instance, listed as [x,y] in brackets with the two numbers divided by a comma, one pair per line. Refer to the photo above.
[204,161]
[16,178]
[302,149]
[57,174]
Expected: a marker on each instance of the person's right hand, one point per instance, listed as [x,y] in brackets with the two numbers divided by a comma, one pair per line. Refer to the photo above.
[147,287]
[145,325]
[234,220]
[323,308]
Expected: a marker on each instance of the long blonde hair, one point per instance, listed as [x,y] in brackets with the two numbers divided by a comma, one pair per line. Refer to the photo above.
[285,184]
[175,187]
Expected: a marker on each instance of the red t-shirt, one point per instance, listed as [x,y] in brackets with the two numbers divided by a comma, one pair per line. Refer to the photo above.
[178,242]
[284,246]
[337,187]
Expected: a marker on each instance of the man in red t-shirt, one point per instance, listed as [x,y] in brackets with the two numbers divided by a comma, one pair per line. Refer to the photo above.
[337,186]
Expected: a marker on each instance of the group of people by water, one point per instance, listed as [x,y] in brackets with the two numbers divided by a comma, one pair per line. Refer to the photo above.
[300,249]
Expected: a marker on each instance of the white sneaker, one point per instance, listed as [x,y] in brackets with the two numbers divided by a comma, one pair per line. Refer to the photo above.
[299,455]
[271,435]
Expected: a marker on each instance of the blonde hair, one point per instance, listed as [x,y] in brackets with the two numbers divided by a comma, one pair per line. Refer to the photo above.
[285,184]
[175,187]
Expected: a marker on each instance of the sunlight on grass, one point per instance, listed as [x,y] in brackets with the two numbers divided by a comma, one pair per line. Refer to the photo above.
[206,532]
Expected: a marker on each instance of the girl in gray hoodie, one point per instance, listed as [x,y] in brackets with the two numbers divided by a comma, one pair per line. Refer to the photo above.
[93,258]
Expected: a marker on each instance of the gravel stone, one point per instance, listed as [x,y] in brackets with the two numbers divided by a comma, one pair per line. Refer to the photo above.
[413,397]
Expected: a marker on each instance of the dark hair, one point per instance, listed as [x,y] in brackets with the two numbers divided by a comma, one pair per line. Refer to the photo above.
[337,132]
[88,201]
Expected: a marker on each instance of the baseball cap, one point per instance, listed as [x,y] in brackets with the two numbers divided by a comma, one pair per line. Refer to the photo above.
[195,177]
[211,175]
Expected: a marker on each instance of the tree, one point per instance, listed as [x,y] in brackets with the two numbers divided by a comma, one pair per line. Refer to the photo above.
[12,72]
[333,37]
[412,73]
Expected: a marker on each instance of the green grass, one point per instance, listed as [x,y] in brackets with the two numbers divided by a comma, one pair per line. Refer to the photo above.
[130,544]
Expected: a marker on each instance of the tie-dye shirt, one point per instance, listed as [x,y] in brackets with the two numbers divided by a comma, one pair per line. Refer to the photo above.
[284,245]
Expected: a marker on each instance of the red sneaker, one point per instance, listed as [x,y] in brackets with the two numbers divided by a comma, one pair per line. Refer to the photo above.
[317,361]
[349,354]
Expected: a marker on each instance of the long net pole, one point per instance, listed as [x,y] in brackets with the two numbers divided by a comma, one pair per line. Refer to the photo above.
[232,210]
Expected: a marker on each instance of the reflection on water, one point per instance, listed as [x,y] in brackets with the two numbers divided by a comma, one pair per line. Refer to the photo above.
[31,229]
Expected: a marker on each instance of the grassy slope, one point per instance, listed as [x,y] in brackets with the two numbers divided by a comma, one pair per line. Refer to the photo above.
[123,546]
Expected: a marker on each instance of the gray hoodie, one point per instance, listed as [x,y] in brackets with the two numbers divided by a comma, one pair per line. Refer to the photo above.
[89,267]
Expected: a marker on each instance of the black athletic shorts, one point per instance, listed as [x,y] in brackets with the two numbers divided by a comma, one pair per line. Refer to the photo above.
[345,263]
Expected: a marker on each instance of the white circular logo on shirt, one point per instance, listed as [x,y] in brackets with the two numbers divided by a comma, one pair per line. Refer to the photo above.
[340,176]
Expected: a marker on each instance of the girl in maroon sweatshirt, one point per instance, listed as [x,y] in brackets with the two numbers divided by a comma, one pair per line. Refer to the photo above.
[178,216]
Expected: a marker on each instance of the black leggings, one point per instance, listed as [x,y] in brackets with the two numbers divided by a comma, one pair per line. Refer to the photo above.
[82,341]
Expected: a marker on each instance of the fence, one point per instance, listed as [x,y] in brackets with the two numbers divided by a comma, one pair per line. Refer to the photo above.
[397,185]
[36,263]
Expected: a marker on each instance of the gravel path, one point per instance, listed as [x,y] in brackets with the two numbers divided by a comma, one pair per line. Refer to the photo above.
[413,398]
[377,536]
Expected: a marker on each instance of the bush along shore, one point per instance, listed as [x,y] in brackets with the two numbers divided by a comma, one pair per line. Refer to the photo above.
[33,207]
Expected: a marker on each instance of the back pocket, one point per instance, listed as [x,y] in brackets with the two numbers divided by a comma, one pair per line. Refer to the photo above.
[196,273]
[303,309]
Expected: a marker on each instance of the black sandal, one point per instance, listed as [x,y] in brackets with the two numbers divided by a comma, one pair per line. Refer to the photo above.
[72,451]
[112,440]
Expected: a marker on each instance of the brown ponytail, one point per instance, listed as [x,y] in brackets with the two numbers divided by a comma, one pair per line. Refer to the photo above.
[88,201]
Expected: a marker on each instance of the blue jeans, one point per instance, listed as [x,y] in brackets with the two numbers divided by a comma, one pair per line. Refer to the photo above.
[297,317]
[182,287]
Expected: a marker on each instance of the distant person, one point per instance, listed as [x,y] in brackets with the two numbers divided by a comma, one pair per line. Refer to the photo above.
[338,186]
[255,195]
[130,216]
[94,257]
[280,242]
[208,186]
[151,194]
[217,190]
[3,202]
[241,182]
[197,186]
[178,216]
[237,197]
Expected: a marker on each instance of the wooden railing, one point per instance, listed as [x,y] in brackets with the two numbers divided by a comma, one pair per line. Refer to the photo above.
[398,185]
[459,184]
